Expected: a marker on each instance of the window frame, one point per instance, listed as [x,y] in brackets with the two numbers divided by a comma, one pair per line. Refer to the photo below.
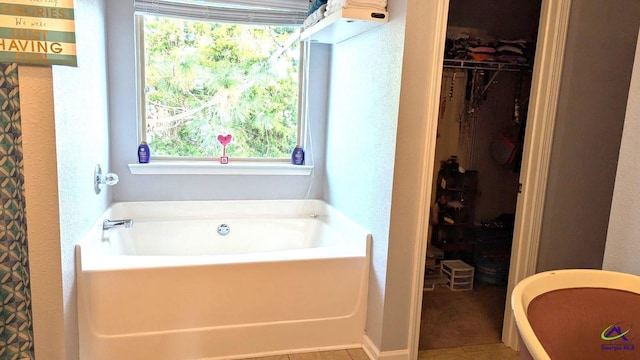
[141,100]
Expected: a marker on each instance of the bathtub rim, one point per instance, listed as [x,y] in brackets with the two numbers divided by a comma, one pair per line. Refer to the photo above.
[88,259]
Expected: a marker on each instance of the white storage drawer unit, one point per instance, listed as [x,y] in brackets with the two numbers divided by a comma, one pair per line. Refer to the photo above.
[458,273]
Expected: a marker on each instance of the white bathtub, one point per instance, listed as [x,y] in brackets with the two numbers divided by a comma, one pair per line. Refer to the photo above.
[290,276]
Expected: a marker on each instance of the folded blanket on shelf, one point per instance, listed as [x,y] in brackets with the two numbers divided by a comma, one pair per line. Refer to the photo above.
[482,49]
[316,16]
[315,6]
[466,48]
[335,5]
[512,51]
[512,59]
[481,56]
[517,42]
[456,49]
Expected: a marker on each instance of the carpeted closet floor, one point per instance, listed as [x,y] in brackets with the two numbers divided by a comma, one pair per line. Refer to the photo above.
[462,318]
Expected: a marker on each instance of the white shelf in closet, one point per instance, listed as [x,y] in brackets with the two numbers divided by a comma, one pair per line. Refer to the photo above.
[344,24]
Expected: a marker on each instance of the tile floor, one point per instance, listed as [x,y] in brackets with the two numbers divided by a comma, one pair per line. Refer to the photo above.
[478,352]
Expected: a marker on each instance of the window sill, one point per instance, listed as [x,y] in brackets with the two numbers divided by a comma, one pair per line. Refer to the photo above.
[214,168]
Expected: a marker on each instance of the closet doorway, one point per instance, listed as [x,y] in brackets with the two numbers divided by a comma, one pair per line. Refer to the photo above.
[484,100]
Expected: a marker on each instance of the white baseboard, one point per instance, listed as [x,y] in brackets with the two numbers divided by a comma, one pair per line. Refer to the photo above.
[374,353]
[369,348]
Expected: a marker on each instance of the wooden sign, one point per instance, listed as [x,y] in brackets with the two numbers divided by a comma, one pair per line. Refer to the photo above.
[38,32]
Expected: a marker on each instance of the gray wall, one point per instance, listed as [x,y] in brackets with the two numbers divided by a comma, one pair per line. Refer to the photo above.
[505,19]
[124,138]
[623,247]
[361,138]
[591,110]
[497,184]
[81,108]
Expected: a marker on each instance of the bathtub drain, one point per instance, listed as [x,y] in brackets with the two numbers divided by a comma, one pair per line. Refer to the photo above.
[223,229]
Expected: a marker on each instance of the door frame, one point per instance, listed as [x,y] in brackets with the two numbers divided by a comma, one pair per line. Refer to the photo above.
[545,88]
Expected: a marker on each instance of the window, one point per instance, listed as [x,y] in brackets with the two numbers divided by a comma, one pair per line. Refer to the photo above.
[209,69]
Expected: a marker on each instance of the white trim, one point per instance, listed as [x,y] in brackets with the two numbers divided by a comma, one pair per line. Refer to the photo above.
[370,348]
[374,353]
[140,68]
[545,89]
[554,19]
[432,90]
[213,167]
[395,355]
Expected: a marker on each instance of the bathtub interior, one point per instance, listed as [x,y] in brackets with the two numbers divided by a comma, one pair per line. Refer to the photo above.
[260,231]
[201,236]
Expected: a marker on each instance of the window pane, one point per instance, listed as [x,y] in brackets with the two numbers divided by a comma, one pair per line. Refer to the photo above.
[203,79]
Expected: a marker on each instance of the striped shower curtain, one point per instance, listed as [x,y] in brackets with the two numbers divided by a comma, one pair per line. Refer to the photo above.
[16,329]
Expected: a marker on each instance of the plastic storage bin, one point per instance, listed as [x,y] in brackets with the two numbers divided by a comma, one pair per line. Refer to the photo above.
[459,274]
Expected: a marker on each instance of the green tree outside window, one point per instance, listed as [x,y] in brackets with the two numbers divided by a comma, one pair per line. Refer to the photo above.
[203,79]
